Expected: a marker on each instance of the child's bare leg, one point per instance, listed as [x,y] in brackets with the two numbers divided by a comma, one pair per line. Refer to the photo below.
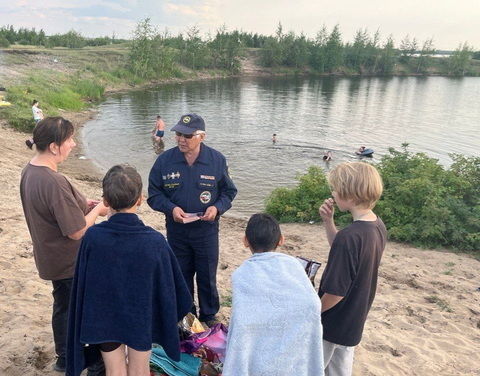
[138,362]
[115,362]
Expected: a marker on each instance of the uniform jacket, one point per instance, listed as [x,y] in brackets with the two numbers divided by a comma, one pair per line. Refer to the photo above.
[172,182]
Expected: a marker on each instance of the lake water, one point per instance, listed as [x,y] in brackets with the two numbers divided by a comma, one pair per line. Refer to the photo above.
[435,115]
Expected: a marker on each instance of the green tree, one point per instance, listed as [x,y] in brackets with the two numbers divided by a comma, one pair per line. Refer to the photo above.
[424,59]
[458,61]
[334,50]
[356,53]
[387,57]
[318,50]
[141,56]
[407,48]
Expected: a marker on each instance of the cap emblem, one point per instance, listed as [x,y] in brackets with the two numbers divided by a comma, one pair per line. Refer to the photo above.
[186,119]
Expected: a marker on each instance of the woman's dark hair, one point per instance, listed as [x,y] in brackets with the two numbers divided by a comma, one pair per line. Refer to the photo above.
[263,232]
[48,130]
[122,186]
[34,102]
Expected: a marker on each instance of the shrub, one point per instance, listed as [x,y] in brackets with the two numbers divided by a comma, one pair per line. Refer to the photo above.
[4,42]
[299,204]
[423,203]
[428,205]
[88,89]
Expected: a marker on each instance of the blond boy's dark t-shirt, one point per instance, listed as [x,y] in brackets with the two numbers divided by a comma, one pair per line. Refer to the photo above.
[53,210]
[351,272]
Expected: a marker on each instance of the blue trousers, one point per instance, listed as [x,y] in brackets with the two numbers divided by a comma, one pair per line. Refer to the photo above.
[196,249]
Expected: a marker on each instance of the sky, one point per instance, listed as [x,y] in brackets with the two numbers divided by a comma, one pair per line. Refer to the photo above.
[449,22]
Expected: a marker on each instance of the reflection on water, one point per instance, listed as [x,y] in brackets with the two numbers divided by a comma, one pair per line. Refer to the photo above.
[435,115]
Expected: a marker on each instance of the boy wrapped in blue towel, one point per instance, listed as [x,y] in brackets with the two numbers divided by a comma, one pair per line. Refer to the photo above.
[128,291]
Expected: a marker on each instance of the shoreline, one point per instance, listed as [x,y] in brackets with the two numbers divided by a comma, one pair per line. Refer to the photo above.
[425,318]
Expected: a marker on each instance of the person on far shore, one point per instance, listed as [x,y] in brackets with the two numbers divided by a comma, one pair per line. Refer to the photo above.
[157,135]
[57,216]
[327,157]
[274,138]
[128,289]
[37,112]
[349,281]
[272,288]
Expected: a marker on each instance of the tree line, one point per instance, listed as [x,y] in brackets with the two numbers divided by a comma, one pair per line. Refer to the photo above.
[366,54]
[154,53]
[72,39]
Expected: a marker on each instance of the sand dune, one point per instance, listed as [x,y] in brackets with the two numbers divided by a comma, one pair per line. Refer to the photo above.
[425,319]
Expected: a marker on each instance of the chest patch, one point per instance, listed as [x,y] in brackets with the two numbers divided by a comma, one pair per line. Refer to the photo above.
[173,175]
[205,197]
[207,177]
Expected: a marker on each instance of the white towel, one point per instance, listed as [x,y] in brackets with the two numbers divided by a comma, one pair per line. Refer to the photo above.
[275,328]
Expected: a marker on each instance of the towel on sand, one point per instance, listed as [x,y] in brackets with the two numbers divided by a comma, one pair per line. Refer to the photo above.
[128,288]
[275,328]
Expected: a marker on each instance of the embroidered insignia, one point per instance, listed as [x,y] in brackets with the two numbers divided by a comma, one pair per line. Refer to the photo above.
[186,119]
[205,197]
[207,177]
[173,175]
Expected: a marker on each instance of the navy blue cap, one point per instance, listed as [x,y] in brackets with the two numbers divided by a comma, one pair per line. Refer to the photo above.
[189,123]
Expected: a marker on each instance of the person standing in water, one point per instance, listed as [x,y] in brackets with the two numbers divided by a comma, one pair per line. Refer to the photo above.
[157,135]
[274,138]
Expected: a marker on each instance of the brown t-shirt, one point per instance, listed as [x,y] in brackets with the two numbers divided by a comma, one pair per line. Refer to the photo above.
[53,210]
[351,272]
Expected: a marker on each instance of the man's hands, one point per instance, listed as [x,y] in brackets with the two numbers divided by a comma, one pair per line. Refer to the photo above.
[210,214]
[327,210]
[178,214]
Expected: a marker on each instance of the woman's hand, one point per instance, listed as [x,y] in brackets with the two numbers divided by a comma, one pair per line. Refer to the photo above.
[327,210]
[92,203]
[101,209]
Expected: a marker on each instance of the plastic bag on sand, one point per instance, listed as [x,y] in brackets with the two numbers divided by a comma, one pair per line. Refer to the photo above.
[190,324]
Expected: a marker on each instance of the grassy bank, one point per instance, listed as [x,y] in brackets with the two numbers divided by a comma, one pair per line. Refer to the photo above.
[64,79]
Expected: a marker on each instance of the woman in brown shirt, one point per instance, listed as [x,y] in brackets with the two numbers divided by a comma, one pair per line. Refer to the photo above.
[57,216]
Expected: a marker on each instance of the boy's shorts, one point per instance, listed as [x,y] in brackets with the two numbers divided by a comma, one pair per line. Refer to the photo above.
[159,133]
[338,359]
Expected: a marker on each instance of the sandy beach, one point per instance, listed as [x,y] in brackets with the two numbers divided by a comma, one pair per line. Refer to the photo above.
[425,319]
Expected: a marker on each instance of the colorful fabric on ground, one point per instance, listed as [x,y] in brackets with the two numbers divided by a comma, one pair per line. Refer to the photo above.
[214,338]
[187,366]
[275,327]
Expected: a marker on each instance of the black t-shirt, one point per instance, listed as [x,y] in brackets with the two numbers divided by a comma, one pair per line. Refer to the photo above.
[351,272]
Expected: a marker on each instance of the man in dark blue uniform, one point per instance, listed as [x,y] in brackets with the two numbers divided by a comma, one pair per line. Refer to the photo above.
[191,186]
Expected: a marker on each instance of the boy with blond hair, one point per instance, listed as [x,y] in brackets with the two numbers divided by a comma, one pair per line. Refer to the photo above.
[349,282]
